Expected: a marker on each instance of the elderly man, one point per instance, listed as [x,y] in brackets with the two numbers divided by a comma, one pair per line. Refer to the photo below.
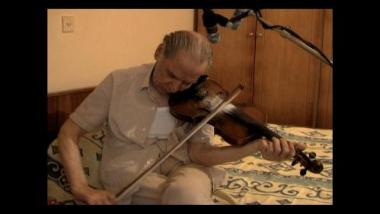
[133,103]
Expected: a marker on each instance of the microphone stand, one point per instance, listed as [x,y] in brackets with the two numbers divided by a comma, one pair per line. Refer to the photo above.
[285,33]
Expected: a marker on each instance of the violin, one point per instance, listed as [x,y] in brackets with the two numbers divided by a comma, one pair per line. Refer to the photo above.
[234,125]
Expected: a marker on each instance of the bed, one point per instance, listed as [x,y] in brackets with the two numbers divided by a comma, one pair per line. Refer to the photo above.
[250,181]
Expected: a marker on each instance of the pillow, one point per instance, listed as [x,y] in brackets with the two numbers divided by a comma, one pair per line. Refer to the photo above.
[90,145]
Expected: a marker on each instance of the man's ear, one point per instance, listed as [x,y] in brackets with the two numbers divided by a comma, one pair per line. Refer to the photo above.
[158,52]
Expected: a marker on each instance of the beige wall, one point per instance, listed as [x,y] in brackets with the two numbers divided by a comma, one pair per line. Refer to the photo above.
[104,40]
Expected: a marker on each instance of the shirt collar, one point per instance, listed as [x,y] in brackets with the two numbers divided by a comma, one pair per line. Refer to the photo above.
[146,81]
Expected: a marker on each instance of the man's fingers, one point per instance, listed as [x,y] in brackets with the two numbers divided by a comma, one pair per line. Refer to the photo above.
[106,201]
[270,148]
[276,146]
[263,146]
[284,149]
[299,146]
[111,198]
[292,150]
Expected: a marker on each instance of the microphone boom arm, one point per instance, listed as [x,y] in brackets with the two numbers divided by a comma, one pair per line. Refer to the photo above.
[304,46]
[294,37]
[283,31]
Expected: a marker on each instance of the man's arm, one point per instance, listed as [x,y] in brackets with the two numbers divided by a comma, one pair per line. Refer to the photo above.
[208,155]
[68,139]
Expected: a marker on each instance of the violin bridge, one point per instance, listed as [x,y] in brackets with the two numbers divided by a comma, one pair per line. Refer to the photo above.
[211,103]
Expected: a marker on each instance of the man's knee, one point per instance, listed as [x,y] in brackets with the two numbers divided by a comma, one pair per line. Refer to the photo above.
[179,194]
[188,185]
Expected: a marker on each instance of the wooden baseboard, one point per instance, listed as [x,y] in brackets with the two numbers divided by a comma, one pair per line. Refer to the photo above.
[61,105]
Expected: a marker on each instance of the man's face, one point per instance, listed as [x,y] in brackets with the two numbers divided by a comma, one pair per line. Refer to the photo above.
[177,73]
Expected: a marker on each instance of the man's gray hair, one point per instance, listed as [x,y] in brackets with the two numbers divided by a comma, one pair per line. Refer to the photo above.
[188,41]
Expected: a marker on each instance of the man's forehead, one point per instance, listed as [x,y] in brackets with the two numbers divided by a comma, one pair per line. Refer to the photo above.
[190,64]
[190,72]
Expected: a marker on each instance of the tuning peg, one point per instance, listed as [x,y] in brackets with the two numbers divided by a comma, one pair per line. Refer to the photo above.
[294,162]
[312,155]
[303,171]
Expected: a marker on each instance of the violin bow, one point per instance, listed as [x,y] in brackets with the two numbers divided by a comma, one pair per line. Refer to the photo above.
[204,121]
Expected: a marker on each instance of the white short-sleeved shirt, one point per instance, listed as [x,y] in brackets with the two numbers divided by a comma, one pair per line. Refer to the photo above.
[126,102]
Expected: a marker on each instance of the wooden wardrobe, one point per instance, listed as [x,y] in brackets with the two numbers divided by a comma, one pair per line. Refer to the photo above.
[288,84]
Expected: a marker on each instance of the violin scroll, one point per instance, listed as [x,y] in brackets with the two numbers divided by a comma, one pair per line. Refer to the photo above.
[310,163]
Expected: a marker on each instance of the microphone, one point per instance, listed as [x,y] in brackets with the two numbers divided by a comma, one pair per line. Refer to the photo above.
[211,21]
[238,15]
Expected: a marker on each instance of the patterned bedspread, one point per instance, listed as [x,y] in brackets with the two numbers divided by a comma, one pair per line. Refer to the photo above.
[251,180]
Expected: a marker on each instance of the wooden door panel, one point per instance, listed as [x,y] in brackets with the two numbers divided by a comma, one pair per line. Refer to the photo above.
[286,76]
[324,112]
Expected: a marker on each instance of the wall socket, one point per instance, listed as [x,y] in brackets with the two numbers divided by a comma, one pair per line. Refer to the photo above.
[67,24]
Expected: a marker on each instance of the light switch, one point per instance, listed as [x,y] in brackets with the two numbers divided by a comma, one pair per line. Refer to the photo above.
[67,24]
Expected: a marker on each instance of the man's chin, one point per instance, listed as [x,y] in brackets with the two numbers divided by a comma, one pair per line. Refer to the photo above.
[168,90]
[164,91]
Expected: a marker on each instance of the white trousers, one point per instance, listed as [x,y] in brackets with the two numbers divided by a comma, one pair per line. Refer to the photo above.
[186,184]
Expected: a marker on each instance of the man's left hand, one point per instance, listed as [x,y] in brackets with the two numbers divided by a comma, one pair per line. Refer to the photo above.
[278,149]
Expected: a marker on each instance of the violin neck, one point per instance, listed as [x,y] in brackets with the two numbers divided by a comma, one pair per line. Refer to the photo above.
[256,128]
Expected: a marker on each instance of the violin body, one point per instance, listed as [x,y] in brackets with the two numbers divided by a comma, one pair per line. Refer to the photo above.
[234,125]
[231,123]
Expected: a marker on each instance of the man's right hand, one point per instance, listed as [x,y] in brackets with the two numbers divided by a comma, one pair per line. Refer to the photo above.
[92,196]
